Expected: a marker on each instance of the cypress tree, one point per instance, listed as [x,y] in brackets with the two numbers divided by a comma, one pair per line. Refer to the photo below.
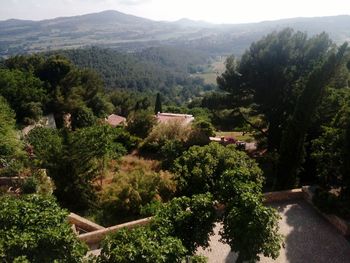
[158,106]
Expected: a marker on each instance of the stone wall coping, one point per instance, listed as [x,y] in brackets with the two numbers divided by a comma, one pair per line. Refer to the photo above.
[83,223]
[286,195]
[340,224]
[95,237]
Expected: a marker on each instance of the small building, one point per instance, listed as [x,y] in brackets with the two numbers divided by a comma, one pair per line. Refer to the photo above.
[181,118]
[115,120]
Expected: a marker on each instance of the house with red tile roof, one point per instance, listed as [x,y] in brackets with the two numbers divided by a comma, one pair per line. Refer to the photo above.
[115,120]
[181,118]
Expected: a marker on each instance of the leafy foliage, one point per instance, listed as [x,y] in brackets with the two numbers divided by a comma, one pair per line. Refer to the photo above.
[140,123]
[35,228]
[271,74]
[122,199]
[292,144]
[178,228]
[11,148]
[189,219]
[141,245]
[24,92]
[199,169]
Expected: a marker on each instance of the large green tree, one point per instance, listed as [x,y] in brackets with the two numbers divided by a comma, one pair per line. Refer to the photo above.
[11,148]
[292,144]
[24,92]
[271,75]
[35,229]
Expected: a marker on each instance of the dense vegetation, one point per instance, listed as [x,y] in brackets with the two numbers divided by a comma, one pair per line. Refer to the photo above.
[289,92]
[35,229]
[163,69]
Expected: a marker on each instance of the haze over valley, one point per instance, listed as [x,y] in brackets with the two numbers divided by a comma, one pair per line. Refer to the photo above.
[113,29]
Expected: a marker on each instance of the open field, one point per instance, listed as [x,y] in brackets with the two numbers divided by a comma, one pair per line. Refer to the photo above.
[215,69]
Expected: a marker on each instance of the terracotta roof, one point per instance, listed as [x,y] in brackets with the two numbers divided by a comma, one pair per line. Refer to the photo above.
[115,120]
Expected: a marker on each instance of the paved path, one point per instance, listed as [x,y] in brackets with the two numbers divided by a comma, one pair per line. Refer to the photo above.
[308,239]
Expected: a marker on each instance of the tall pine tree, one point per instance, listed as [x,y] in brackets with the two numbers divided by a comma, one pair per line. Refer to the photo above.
[292,144]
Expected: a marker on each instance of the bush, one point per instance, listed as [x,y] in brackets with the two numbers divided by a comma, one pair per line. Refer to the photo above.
[164,132]
[122,200]
[189,219]
[35,229]
[326,201]
[199,169]
[177,230]
[140,123]
[141,245]
[38,183]
[123,137]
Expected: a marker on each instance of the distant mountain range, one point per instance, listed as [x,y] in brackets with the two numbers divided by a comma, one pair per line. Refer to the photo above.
[129,33]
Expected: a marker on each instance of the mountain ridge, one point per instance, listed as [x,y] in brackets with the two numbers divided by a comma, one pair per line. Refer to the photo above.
[127,32]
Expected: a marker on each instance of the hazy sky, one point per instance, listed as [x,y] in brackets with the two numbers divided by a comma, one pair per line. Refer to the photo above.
[216,11]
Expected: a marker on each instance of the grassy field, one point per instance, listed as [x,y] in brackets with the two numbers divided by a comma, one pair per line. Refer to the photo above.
[247,137]
[215,69]
[208,77]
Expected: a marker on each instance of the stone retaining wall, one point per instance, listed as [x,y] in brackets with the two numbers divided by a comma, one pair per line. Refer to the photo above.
[340,224]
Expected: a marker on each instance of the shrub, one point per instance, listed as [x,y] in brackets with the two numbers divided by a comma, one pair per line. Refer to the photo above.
[141,245]
[140,123]
[189,219]
[35,229]
[122,200]
[199,169]
[177,230]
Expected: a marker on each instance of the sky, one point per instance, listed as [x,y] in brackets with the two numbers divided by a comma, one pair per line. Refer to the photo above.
[214,11]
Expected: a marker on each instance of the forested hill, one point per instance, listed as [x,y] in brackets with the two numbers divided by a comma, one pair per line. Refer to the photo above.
[152,69]
[129,33]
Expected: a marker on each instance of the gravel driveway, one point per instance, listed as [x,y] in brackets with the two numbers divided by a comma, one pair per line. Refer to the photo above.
[308,238]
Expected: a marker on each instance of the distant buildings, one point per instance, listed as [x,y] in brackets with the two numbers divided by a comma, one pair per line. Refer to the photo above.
[181,118]
[115,120]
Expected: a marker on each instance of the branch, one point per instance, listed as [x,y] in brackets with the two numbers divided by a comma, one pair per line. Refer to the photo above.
[252,124]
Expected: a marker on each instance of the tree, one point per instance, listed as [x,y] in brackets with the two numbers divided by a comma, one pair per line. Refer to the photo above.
[199,169]
[235,180]
[141,245]
[158,105]
[10,145]
[178,228]
[249,227]
[82,117]
[35,228]
[271,74]
[189,219]
[24,93]
[11,148]
[140,123]
[292,144]
[74,160]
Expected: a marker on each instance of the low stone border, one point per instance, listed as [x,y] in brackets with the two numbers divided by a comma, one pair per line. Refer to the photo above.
[283,195]
[93,239]
[340,224]
[83,224]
